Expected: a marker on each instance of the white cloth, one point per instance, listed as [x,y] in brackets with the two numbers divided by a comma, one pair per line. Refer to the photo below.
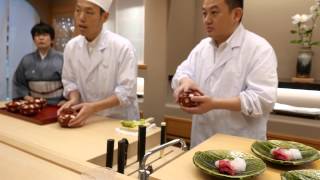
[104,4]
[246,68]
[296,109]
[111,69]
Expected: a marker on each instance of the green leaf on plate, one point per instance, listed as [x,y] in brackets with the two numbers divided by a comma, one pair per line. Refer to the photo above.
[306,174]
[263,150]
[205,161]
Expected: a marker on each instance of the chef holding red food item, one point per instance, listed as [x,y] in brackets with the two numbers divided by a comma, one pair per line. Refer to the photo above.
[100,68]
[234,72]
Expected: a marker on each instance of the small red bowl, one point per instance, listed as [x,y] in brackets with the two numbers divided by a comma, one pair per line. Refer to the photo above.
[29,108]
[14,105]
[185,98]
[39,100]
[66,115]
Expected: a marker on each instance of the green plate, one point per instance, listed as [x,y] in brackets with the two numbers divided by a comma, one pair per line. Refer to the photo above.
[262,149]
[307,174]
[205,161]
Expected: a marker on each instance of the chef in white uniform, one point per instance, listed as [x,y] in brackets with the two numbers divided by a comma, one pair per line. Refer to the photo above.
[235,69]
[100,68]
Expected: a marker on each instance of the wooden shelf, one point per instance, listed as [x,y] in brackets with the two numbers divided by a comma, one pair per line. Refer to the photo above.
[142,66]
[178,127]
[286,83]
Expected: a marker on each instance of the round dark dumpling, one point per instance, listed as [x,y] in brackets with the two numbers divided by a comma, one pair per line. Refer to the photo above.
[65,116]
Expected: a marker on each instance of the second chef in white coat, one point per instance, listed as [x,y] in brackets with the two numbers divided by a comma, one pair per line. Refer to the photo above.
[235,69]
[100,68]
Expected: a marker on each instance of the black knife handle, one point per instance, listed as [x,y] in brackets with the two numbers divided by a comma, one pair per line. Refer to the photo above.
[121,156]
[163,133]
[126,142]
[141,142]
[109,155]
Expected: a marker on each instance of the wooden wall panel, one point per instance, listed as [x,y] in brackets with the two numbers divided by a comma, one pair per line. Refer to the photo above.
[48,9]
[63,8]
[43,7]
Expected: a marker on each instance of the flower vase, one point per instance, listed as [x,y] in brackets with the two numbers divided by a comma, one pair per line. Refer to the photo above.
[304,62]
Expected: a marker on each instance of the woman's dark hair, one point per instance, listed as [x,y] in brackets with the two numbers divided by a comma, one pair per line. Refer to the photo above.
[42,28]
[234,4]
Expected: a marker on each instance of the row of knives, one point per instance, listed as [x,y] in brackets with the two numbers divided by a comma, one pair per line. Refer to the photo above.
[123,145]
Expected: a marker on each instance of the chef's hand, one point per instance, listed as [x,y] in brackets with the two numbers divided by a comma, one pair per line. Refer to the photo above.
[185,85]
[85,110]
[74,99]
[61,103]
[66,104]
[206,104]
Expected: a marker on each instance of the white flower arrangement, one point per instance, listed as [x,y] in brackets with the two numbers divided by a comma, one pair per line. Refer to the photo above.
[304,26]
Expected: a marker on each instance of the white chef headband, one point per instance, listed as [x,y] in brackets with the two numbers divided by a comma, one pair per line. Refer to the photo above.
[104,4]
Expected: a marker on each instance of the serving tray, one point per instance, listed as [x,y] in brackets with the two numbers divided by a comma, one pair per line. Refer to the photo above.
[46,116]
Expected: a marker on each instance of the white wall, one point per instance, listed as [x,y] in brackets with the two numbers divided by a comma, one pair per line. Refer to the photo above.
[127,19]
[22,17]
[3,40]
[272,20]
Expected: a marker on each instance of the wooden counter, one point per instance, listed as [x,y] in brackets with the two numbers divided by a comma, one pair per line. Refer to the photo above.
[183,167]
[69,148]
[17,165]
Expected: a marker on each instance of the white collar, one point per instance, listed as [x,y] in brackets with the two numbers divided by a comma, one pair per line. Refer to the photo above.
[234,40]
[43,55]
[95,42]
[100,42]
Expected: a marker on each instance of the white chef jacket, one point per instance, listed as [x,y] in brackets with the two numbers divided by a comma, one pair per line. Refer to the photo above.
[109,69]
[246,66]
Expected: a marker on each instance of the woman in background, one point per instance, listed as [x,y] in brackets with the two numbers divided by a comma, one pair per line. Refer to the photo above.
[39,73]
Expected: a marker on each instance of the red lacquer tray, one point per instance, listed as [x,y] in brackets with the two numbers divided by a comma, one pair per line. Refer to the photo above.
[46,116]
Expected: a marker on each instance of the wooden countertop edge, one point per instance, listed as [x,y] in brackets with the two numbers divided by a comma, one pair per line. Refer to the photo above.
[48,155]
[78,167]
